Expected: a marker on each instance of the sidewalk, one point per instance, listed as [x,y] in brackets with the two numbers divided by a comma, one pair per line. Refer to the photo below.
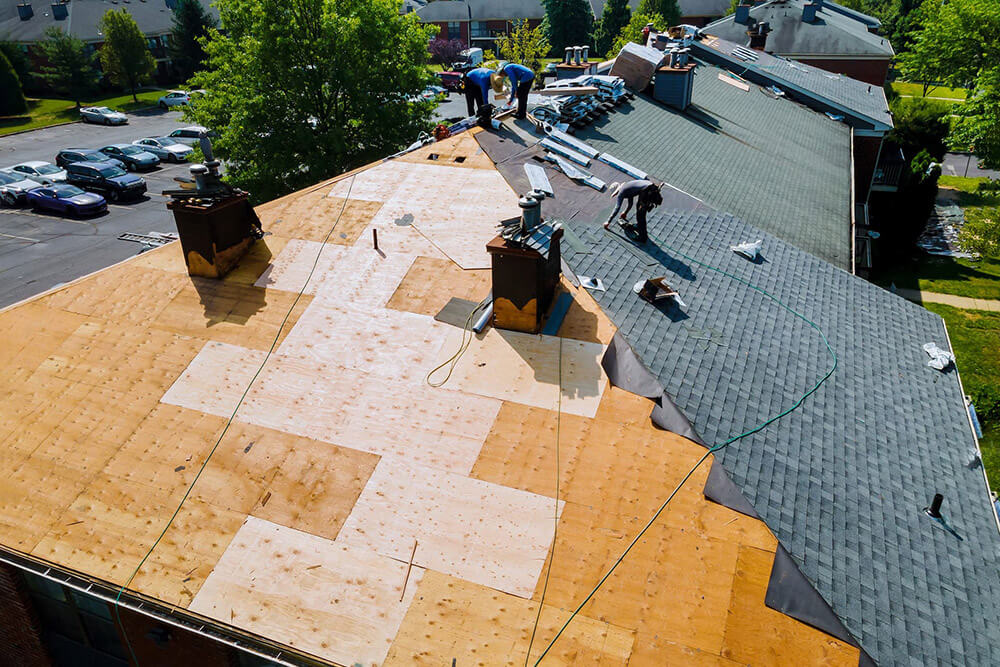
[950,300]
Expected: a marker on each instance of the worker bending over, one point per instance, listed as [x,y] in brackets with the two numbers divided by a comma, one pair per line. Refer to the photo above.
[477,88]
[520,85]
[649,198]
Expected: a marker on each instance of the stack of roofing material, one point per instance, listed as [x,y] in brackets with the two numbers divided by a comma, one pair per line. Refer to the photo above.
[586,98]
[636,64]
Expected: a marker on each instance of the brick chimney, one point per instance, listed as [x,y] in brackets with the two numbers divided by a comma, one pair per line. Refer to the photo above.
[809,12]
[674,82]
[743,13]
[757,35]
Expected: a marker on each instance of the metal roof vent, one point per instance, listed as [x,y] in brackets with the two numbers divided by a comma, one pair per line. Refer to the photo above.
[934,511]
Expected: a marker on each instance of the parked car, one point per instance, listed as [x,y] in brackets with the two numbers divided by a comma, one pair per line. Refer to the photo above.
[174,98]
[14,187]
[134,157]
[165,148]
[45,173]
[434,93]
[71,155]
[106,178]
[103,116]
[189,135]
[65,198]
[450,80]
[468,59]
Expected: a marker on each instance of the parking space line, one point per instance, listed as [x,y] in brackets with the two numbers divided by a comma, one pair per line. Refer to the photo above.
[19,238]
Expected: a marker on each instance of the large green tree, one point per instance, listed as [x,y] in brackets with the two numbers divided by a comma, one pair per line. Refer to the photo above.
[11,97]
[124,54]
[70,69]
[190,26]
[668,9]
[567,23]
[632,32]
[615,16]
[978,122]
[524,45]
[19,60]
[302,90]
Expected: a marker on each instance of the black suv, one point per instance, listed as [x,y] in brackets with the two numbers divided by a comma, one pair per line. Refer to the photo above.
[106,178]
[71,155]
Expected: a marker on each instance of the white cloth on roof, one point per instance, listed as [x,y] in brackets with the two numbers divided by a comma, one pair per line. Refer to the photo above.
[939,359]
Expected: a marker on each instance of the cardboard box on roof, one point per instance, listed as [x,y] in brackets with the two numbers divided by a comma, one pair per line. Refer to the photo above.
[636,65]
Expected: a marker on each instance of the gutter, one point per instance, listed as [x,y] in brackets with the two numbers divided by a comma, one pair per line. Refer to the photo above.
[854,231]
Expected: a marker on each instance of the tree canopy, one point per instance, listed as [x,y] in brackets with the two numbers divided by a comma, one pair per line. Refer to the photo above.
[445,51]
[11,98]
[189,27]
[668,10]
[124,55]
[920,125]
[302,90]
[615,16]
[567,23]
[632,32]
[524,45]
[70,69]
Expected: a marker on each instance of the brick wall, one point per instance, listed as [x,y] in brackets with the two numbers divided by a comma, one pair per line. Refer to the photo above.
[869,71]
[866,151]
[159,645]
[20,644]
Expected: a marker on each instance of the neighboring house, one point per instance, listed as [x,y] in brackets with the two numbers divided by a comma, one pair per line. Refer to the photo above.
[862,106]
[25,23]
[820,33]
[281,467]
[480,22]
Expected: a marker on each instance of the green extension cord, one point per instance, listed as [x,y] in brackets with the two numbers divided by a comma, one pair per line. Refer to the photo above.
[714,448]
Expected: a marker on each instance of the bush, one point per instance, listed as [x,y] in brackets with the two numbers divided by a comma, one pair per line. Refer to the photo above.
[986,398]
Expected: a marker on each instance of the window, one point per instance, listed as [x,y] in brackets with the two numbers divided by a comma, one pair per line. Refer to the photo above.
[454,30]
[479,30]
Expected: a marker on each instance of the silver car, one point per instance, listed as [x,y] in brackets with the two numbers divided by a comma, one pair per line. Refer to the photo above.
[40,172]
[102,116]
[13,188]
[165,148]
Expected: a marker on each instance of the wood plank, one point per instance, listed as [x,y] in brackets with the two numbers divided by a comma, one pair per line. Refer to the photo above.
[481,532]
[335,601]
[431,282]
[461,150]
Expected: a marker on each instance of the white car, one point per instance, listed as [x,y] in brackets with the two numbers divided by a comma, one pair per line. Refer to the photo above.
[103,116]
[165,148]
[45,173]
[14,187]
[174,98]
[189,135]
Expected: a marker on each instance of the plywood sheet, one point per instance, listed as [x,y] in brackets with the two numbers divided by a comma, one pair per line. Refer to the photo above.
[321,218]
[525,368]
[476,625]
[432,282]
[459,151]
[438,428]
[326,598]
[437,201]
[585,320]
[481,532]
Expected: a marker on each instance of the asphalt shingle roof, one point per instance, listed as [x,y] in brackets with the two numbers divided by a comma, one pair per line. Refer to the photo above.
[776,164]
[864,105]
[842,480]
[833,33]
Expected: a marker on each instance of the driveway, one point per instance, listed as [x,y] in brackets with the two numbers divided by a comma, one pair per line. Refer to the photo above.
[964,164]
[39,251]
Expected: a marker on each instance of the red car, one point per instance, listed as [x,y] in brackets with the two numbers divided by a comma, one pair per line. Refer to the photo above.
[450,80]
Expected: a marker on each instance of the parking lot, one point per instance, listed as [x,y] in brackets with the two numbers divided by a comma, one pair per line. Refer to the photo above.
[41,250]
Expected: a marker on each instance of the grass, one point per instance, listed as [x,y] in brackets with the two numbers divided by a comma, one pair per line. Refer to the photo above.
[975,337]
[946,275]
[44,112]
[961,183]
[917,90]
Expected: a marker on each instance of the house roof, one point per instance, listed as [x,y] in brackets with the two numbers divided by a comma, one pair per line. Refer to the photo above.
[773,162]
[84,17]
[342,467]
[689,8]
[832,34]
[863,105]
[865,19]
[842,479]
[444,10]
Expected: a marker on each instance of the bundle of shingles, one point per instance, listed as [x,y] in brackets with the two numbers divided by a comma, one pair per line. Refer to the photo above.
[572,156]
[580,100]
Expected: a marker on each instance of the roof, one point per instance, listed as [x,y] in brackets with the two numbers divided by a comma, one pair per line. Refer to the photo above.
[689,8]
[865,19]
[84,17]
[863,105]
[776,164]
[343,466]
[841,480]
[480,10]
[832,34]
[444,10]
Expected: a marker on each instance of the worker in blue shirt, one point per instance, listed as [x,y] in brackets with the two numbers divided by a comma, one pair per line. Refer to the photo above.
[477,88]
[520,85]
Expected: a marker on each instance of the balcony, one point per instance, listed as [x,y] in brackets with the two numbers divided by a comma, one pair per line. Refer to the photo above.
[889,170]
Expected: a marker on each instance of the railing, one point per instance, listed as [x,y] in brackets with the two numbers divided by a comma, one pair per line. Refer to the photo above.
[888,175]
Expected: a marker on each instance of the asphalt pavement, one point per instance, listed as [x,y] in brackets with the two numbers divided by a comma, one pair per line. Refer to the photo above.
[964,164]
[39,251]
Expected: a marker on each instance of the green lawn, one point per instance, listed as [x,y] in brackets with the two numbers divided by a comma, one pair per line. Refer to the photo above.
[917,90]
[47,111]
[975,337]
[962,277]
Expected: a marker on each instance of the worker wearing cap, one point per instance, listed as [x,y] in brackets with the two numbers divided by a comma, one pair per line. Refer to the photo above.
[520,85]
[477,88]
[648,194]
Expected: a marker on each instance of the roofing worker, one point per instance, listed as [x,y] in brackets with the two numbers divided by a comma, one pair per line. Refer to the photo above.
[477,88]
[520,85]
[649,198]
